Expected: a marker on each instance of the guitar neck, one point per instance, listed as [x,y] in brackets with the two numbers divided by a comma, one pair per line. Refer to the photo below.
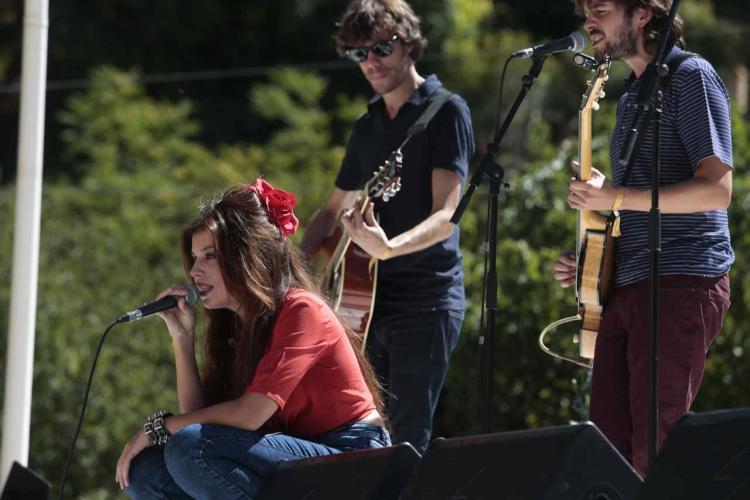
[587,219]
[584,174]
[584,145]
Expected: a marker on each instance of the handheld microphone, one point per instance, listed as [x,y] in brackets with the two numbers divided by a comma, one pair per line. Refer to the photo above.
[576,42]
[162,304]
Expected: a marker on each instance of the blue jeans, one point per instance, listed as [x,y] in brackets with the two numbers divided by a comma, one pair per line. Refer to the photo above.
[213,461]
[409,352]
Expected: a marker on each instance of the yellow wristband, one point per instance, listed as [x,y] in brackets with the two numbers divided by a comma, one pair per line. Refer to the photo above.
[616,212]
[618,201]
[387,254]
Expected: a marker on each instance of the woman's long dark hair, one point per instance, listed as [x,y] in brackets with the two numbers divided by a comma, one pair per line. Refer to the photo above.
[258,266]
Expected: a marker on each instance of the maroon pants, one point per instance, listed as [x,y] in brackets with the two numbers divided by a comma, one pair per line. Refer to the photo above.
[691,309]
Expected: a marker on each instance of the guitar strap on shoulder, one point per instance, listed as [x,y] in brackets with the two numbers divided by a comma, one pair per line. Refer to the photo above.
[437,100]
[672,64]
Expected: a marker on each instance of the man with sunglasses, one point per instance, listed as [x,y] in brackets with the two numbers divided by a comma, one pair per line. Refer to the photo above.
[419,303]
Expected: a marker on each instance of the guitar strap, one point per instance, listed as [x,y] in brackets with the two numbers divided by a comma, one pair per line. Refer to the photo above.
[436,102]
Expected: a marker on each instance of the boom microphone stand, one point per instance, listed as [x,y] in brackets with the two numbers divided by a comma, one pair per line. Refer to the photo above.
[494,172]
[649,100]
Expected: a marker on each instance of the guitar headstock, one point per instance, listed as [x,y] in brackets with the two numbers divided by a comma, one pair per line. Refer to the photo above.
[386,181]
[590,102]
[595,89]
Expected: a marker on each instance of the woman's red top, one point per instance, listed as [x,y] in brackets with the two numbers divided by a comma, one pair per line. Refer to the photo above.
[310,370]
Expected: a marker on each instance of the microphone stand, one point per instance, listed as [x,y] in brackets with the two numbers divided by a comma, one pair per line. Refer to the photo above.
[649,100]
[494,172]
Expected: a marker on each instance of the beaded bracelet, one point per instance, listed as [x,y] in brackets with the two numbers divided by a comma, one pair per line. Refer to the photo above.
[155,429]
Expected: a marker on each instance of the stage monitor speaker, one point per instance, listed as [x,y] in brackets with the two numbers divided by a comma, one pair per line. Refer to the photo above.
[574,462]
[24,484]
[374,474]
[706,457]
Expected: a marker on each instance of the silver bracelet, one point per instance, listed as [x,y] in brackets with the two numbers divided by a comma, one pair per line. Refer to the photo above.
[155,429]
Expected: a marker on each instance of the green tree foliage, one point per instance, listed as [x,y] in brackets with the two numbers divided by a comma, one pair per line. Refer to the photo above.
[721,40]
[110,235]
[727,368]
[134,162]
[301,145]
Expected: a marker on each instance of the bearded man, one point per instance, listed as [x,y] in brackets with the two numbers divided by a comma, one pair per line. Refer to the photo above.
[696,253]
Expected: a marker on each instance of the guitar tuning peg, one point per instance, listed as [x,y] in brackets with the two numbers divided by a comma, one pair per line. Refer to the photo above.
[588,82]
[595,106]
[606,77]
[602,94]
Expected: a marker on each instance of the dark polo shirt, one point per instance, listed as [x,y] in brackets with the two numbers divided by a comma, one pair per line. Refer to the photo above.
[431,278]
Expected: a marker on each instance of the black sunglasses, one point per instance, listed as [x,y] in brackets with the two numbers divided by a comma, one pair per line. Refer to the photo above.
[380,49]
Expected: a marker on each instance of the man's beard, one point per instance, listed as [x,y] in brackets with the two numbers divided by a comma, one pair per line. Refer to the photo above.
[624,45]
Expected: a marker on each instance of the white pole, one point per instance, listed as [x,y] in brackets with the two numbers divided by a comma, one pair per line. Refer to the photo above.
[20,354]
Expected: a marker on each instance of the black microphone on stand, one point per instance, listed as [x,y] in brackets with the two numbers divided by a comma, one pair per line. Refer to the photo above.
[576,42]
[162,304]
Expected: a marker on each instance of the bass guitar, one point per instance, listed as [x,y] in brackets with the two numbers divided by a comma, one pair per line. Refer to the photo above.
[594,241]
[349,274]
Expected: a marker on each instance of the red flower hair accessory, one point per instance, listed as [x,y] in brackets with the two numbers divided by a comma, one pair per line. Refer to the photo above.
[279,205]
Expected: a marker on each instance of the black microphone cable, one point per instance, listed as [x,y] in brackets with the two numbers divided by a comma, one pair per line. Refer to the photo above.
[500,96]
[83,409]
[190,298]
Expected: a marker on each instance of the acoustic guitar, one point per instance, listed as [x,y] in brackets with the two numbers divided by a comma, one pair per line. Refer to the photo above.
[348,275]
[594,241]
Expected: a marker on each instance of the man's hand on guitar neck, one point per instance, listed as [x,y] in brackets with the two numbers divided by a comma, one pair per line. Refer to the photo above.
[366,232]
[597,193]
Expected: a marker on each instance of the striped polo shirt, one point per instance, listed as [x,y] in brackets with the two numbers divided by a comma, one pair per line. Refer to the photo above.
[696,124]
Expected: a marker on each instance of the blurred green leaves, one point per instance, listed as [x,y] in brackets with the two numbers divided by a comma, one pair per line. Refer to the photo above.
[111,224]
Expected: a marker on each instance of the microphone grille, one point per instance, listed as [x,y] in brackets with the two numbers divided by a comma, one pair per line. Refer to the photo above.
[192,294]
[579,41]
